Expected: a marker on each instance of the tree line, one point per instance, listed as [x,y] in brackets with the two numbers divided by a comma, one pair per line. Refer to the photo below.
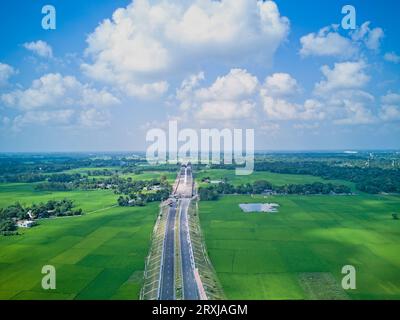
[212,192]
[371,180]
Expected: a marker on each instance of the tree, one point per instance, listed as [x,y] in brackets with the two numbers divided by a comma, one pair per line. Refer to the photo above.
[122,201]
[7,225]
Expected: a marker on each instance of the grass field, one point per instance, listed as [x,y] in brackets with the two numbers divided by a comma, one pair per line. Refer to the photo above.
[299,252]
[26,194]
[146,175]
[275,178]
[97,256]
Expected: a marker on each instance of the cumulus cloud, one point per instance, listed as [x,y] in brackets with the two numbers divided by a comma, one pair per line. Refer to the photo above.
[56,91]
[94,118]
[6,71]
[390,113]
[229,97]
[344,75]
[225,110]
[144,41]
[40,48]
[281,84]
[327,42]
[390,109]
[237,84]
[392,57]
[184,94]
[340,98]
[146,91]
[391,98]
[85,118]
[60,100]
[352,107]
[54,117]
[239,95]
[276,91]
[371,37]
[284,110]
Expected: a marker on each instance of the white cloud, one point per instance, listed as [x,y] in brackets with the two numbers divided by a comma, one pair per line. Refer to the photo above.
[357,113]
[238,95]
[280,109]
[281,84]
[6,71]
[148,90]
[327,42]
[350,107]
[229,97]
[392,57]
[56,91]
[343,76]
[390,113]
[371,37]
[84,118]
[184,94]
[225,110]
[391,98]
[41,48]
[283,110]
[237,84]
[54,117]
[390,109]
[144,41]
[94,118]
[60,100]
[340,98]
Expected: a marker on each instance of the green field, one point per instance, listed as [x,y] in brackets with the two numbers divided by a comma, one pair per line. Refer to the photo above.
[297,253]
[146,175]
[277,179]
[274,256]
[25,193]
[97,256]
[149,175]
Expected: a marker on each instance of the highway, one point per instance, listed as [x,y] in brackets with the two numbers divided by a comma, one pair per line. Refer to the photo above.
[190,291]
[167,284]
[184,193]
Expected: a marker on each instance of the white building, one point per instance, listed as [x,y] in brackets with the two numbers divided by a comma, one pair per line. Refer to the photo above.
[25,223]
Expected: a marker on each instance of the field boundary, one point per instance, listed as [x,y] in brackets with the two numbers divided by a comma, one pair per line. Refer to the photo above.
[208,276]
[153,262]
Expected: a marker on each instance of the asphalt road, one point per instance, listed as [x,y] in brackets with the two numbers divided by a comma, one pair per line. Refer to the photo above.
[167,288]
[190,291]
[183,192]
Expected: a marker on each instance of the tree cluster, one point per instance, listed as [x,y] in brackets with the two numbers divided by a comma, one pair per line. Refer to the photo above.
[212,192]
[11,214]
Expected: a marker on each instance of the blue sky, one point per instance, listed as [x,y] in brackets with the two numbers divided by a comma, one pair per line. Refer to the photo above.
[286,69]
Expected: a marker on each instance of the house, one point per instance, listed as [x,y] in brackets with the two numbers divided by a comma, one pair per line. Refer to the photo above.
[268,192]
[29,213]
[25,223]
